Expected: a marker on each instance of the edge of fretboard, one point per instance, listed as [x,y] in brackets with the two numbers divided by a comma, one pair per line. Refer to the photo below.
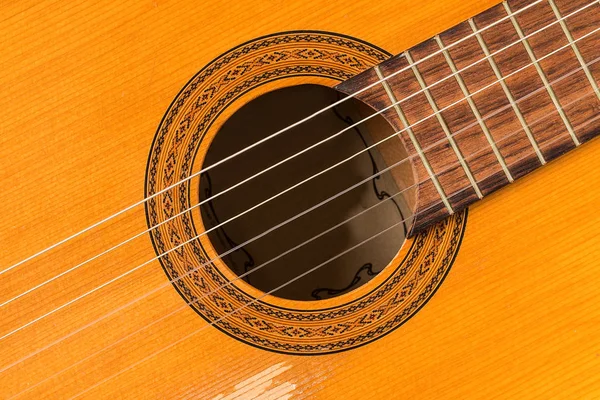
[423,80]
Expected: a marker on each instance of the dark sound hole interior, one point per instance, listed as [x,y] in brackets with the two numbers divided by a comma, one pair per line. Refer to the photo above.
[278,245]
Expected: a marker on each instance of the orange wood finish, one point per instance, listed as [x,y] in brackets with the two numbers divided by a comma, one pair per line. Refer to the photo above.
[84,86]
[484,169]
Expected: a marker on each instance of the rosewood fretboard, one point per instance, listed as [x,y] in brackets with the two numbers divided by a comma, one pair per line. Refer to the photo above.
[519,89]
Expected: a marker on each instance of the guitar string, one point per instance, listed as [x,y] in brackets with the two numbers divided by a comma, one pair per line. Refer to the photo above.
[277,257]
[77,266]
[331,198]
[542,146]
[247,273]
[184,306]
[277,133]
[170,345]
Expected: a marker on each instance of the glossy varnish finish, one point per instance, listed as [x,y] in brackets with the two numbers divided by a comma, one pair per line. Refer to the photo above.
[494,105]
[84,88]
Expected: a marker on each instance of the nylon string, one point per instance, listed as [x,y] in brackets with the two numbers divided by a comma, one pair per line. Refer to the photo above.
[287,283]
[206,169]
[285,191]
[296,155]
[300,245]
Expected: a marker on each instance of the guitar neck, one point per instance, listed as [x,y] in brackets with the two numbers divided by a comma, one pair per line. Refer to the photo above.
[491,99]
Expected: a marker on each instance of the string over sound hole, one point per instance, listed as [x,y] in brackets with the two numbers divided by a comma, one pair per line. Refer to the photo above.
[206,283]
[315,206]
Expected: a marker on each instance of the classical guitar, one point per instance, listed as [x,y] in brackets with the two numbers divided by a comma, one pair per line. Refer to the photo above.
[300,199]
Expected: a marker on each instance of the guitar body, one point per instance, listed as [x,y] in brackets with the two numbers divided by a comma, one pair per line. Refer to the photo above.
[503,299]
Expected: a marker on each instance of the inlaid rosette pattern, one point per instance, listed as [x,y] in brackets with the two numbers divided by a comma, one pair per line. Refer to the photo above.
[210,288]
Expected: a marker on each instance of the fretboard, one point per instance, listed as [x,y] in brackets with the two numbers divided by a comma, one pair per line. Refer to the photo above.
[491,99]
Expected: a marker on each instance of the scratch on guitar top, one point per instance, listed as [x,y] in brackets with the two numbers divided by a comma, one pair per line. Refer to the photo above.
[260,386]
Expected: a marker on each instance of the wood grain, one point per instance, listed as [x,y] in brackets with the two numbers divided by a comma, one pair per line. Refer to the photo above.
[530,115]
[85,84]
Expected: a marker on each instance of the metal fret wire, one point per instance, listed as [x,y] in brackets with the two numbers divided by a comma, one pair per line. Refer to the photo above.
[287,252]
[309,117]
[501,139]
[394,104]
[559,108]
[333,197]
[184,306]
[279,287]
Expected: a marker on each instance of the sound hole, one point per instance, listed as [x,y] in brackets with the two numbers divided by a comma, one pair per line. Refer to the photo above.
[321,218]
